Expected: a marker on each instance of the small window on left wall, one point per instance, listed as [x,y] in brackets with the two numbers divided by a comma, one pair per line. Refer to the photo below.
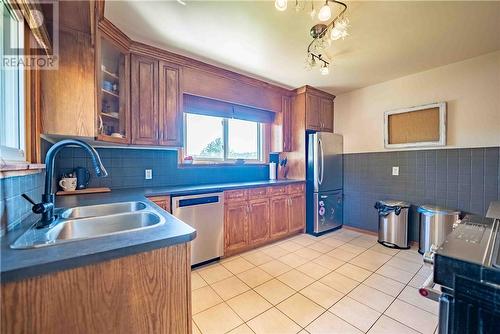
[12,92]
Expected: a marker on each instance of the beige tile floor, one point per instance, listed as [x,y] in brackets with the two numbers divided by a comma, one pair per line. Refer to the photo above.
[341,282]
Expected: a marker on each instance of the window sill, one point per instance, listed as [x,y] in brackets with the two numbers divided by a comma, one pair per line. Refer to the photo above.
[10,169]
[219,164]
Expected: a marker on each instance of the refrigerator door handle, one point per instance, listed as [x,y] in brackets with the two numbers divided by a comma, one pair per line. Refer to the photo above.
[320,181]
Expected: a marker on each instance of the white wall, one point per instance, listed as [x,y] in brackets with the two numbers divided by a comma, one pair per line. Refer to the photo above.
[471,89]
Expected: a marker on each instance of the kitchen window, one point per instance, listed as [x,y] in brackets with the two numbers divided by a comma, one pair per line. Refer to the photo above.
[12,112]
[222,132]
[219,139]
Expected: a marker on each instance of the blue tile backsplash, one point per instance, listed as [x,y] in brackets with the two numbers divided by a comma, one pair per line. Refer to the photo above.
[126,169]
[14,208]
[464,179]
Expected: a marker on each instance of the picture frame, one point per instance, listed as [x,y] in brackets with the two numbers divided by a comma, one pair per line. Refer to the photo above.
[413,127]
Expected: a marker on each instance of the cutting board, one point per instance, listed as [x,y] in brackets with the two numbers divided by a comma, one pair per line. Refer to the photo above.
[83,191]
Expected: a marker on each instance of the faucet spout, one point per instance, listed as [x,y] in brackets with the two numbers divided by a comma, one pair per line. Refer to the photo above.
[47,206]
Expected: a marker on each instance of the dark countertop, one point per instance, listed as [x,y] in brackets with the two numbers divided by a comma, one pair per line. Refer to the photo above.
[17,264]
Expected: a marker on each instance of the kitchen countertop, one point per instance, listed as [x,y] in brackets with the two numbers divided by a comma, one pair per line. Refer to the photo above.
[17,264]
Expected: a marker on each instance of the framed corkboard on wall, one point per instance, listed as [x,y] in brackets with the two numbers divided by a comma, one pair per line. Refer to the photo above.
[420,126]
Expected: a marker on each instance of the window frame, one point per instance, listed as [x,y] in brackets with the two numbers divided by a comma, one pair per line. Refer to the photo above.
[30,121]
[225,160]
[13,155]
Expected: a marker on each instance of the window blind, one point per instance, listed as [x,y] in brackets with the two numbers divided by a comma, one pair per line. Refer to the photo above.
[209,107]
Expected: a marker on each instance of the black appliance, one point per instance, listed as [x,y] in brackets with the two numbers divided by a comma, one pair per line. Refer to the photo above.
[82,177]
[467,266]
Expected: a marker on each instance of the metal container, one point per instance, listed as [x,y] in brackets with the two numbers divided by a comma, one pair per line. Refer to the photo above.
[393,223]
[435,224]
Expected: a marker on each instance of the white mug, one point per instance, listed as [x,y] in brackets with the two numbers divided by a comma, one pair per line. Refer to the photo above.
[68,183]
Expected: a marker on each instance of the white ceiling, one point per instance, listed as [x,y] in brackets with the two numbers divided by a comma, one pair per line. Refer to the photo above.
[387,39]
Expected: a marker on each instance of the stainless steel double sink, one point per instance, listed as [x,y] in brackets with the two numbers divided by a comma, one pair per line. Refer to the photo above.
[87,222]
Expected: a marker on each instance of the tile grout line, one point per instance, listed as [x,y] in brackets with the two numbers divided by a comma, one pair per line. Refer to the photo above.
[314,281]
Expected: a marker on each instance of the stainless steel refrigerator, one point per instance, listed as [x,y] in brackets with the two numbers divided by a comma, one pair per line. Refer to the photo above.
[324,182]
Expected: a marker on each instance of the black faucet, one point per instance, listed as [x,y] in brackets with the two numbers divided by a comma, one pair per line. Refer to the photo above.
[46,207]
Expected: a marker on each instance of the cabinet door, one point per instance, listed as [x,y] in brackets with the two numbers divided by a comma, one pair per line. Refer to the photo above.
[235,225]
[170,105]
[313,105]
[162,201]
[279,215]
[113,116]
[258,221]
[326,115]
[68,94]
[144,101]
[297,212]
[286,109]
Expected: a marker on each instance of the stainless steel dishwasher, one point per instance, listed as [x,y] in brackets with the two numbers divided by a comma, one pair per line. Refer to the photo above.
[205,213]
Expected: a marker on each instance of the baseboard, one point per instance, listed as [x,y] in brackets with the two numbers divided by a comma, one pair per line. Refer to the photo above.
[360,230]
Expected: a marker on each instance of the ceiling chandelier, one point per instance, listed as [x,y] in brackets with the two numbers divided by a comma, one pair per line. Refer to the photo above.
[322,33]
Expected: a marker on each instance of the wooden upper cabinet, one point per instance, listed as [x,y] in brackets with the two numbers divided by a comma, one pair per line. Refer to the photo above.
[313,104]
[68,93]
[144,100]
[317,108]
[326,114]
[297,212]
[258,221]
[279,215]
[319,113]
[286,109]
[170,105]
[235,225]
[113,75]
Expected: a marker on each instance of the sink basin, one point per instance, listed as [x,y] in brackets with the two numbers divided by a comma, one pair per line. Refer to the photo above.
[102,210]
[99,226]
[89,222]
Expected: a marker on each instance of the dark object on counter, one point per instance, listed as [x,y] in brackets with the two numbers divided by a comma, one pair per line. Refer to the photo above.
[46,207]
[283,169]
[435,224]
[393,223]
[465,267]
[82,177]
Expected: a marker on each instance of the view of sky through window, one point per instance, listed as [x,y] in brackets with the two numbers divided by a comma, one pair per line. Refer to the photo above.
[205,138]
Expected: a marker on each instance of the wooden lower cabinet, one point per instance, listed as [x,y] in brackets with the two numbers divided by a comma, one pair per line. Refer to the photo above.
[235,225]
[256,216]
[297,212]
[279,216]
[162,201]
[147,292]
[258,221]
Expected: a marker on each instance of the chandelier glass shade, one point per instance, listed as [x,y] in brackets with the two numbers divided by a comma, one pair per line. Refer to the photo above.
[325,13]
[330,29]
[281,5]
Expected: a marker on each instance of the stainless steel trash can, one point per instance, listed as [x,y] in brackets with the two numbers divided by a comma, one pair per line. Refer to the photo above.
[393,223]
[435,224]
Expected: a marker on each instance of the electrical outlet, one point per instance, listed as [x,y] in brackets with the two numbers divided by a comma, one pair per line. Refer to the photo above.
[148,174]
[395,171]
